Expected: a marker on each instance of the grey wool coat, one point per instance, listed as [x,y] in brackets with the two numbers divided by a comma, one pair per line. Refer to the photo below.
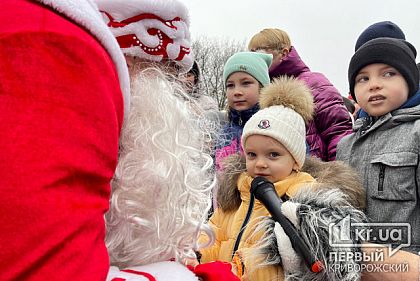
[386,155]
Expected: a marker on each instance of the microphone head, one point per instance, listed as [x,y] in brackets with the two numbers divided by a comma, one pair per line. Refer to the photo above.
[258,182]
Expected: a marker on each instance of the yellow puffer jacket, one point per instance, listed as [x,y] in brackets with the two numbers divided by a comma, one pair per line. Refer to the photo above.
[227,225]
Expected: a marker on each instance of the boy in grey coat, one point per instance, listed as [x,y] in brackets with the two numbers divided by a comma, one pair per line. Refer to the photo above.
[385,145]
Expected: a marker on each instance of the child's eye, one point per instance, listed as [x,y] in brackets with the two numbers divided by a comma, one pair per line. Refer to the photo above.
[361,79]
[229,85]
[246,83]
[274,154]
[390,73]
[251,155]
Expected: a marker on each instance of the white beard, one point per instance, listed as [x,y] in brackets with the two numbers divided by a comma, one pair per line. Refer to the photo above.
[163,182]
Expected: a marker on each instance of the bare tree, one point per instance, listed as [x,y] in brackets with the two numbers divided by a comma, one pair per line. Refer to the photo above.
[211,55]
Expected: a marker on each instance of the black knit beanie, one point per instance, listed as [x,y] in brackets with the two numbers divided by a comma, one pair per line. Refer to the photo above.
[397,53]
[377,30]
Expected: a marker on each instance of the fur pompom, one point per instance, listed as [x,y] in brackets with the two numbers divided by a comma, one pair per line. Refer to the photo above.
[291,93]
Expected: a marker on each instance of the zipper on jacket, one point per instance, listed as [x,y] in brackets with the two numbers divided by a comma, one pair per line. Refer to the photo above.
[381,177]
[367,125]
[246,220]
[240,121]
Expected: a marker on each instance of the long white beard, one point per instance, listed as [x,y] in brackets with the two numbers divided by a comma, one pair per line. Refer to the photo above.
[161,191]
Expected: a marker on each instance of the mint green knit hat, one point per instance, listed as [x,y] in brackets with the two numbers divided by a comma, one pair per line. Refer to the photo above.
[255,64]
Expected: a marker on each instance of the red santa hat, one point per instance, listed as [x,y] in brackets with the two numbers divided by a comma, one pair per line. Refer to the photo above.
[156,30]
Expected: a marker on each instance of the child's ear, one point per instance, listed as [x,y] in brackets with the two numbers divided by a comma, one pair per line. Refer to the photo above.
[284,52]
[295,167]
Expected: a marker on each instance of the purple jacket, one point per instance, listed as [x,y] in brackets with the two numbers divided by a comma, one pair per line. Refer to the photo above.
[331,120]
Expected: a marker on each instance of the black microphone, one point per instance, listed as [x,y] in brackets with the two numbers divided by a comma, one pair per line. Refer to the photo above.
[264,191]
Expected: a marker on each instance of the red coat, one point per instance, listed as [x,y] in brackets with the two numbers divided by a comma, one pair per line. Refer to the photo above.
[61,111]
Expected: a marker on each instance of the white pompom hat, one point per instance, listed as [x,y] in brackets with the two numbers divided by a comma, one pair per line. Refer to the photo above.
[156,30]
[286,105]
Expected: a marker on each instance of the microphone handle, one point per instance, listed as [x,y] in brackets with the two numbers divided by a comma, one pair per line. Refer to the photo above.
[298,244]
[272,203]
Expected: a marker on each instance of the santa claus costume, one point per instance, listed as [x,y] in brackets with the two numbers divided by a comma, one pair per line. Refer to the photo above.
[64,89]
[162,186]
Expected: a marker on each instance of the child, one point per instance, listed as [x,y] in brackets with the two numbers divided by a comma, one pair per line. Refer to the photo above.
[274,149]
[274,144]
[191,80]
[331,121]
[204,106]
[385,146]
[245,73]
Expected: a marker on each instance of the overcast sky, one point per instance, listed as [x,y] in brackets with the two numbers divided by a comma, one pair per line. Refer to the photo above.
[323,31]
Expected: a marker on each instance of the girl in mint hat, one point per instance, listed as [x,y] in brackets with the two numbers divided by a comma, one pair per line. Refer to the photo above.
[244,75]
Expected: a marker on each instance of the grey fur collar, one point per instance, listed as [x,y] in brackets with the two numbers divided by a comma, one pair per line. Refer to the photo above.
[321,208]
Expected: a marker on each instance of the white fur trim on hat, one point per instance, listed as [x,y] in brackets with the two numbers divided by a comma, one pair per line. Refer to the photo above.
[86,14]
[155,30]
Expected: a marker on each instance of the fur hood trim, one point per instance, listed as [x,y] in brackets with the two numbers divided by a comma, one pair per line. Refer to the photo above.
[228,196]
[329,175]
[319,210]
[337,174]
[291,93]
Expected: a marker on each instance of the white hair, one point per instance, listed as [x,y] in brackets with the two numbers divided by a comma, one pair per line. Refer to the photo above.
[161,191]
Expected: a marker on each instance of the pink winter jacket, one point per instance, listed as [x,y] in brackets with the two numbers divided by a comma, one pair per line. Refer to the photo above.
[331,121]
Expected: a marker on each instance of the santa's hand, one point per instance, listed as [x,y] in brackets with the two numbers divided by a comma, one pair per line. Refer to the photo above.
[292,262]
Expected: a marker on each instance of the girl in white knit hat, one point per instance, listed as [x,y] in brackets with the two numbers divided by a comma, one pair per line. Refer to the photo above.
[274,138]
[274,145]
